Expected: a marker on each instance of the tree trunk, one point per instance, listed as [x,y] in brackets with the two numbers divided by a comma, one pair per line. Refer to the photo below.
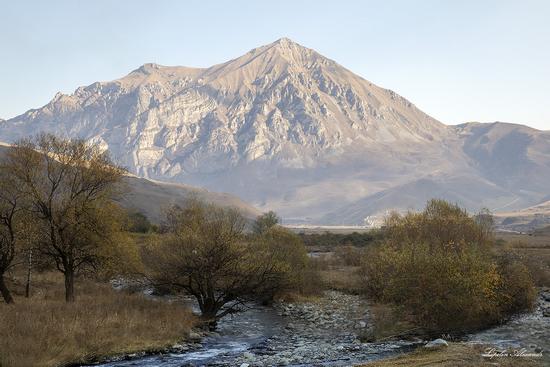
[209,310]
[29,274]
[209,320]
[5,291]
[69,286]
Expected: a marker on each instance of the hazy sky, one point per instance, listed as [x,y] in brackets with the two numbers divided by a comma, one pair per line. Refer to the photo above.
[457,60]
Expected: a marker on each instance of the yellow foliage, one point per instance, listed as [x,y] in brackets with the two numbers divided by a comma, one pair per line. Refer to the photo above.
[437,266]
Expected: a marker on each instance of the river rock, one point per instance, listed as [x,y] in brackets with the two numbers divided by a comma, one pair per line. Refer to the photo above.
[284,361]
[437,343]
[361,325]
[194,336]
[245,365]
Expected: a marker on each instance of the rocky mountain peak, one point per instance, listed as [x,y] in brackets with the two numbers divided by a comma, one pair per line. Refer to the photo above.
[287,129]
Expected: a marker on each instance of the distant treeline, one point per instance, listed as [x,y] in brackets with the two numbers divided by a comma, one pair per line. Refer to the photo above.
[329,239]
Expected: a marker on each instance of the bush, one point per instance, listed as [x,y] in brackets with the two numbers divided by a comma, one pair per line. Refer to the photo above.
[348,255]
[437,267]
[139,223]
[299,274]
[516,292]
[289,252]
[330,240]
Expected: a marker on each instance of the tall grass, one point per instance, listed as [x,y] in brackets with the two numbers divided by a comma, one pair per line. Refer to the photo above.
[45,331]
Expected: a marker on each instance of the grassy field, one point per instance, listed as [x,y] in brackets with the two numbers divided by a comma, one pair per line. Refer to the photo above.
[535,251]
[455,355]
[45,331]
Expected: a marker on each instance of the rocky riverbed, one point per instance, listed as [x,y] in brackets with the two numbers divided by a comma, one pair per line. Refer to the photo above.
[324,332]
[530,332]
[320,333]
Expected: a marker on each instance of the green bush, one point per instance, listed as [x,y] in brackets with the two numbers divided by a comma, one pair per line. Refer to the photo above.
[437,267]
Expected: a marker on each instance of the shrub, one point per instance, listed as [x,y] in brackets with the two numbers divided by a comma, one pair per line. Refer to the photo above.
[290,255]
[348,255]
[139,223]
[437,266]
[516,292]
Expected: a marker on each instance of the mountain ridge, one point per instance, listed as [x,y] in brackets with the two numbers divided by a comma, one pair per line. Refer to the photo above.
[286,128]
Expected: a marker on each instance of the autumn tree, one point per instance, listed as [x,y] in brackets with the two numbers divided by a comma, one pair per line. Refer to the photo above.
[206,254]
[265,222]
[288,251]
[69,185]
[437,267]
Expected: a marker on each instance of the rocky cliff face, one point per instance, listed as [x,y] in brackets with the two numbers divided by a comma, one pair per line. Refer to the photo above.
[282,126]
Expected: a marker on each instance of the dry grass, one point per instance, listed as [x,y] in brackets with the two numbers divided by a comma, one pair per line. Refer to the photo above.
[388,323]
[335,274]
[535,253]
[45,331]
[344,279]
[456,355]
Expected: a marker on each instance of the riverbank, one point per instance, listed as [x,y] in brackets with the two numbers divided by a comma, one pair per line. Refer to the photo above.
[45,331]
[327,331]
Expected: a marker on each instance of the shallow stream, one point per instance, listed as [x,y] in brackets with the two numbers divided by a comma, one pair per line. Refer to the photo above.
[324,333]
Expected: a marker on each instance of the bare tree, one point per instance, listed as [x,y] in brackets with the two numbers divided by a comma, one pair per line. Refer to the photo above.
[205,254]
[10,207]
[69,185]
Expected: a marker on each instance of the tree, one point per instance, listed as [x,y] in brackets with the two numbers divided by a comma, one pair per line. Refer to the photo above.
[287,250]
[11,225]
[486,222]
[264,222]
[204,253]
[139,223]
[69,185]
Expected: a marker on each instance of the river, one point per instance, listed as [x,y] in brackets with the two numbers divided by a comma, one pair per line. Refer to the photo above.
[324,333]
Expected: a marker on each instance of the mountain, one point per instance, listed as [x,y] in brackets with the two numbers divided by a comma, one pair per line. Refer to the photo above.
[288,129]
[529,219]
[513,156]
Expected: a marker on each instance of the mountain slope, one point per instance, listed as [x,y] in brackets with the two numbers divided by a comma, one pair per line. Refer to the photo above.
[151,197]
[514,156]
[284,128]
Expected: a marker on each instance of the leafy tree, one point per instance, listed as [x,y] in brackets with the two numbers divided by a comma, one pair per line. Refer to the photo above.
[205,253]
[69,185]
[265,222]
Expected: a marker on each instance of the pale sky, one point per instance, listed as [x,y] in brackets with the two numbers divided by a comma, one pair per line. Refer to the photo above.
[457,60]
